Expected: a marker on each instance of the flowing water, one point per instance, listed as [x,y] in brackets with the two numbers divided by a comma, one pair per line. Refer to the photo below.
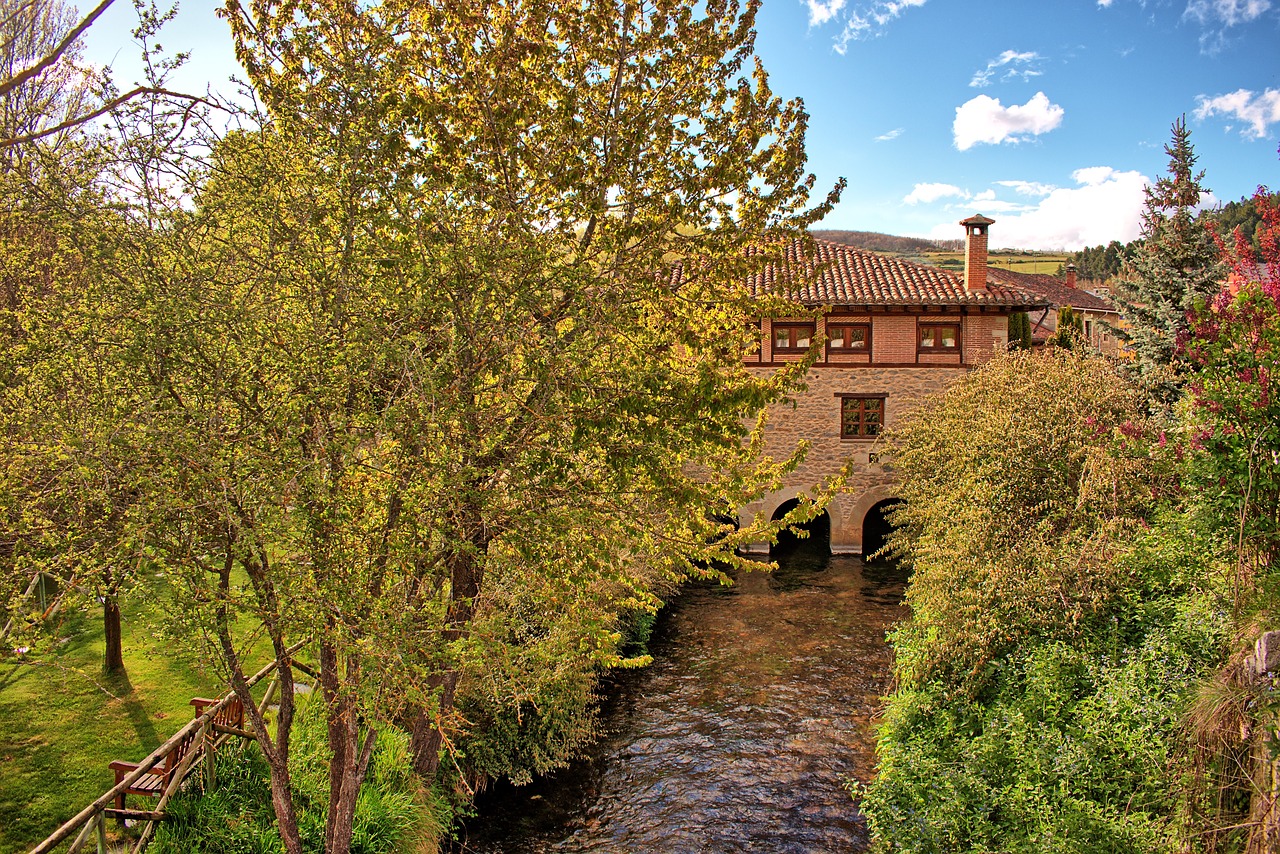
[740,737]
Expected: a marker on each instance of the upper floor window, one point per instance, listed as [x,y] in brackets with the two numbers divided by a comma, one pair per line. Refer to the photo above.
[939,336]
[792,337]
[861,415]
[848,337]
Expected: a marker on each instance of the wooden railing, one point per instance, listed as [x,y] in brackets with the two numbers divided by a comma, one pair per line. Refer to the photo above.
[208,735]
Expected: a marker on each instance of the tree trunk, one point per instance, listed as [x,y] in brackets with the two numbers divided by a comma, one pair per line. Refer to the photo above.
[113,656]
[275,750]
[426,736]
[274,747]
[350,759]
[466,574]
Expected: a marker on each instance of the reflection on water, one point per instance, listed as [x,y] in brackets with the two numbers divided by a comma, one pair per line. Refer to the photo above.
[739,737]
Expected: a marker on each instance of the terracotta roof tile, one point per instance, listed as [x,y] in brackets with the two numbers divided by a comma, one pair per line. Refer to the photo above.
[853,277]
[1050,288]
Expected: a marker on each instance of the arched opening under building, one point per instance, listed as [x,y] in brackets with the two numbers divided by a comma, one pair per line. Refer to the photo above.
[818,529]
[799,559]
[876,527]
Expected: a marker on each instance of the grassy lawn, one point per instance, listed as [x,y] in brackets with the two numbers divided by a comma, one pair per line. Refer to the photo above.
[59,728]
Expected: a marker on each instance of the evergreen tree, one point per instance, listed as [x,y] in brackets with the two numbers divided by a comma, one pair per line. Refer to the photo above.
[1069,334]
[1176,268]
[1019,331]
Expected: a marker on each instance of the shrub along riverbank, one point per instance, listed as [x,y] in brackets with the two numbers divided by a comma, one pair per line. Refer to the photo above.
[1087,580]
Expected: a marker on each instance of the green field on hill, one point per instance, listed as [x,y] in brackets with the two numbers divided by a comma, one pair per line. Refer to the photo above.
[1019,262]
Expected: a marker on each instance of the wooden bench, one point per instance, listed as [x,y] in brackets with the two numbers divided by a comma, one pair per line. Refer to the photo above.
[155,781]
[228,720]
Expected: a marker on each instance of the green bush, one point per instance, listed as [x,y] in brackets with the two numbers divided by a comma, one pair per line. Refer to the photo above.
[1066,746]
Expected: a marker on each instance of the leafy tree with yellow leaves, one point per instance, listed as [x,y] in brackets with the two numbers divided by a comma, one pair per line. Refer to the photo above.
[462,314]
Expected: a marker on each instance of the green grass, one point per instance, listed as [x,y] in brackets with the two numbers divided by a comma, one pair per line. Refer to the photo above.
[59,729]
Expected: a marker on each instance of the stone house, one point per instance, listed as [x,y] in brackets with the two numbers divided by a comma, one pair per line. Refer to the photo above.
[891,333]
[1100,315]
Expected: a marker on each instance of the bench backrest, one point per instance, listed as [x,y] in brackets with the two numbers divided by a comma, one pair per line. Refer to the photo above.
[171,760]
[230,715]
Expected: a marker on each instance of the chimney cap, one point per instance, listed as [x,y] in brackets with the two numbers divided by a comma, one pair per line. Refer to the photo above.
[977,219]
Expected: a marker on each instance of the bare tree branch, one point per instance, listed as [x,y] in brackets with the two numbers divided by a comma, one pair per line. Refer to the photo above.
[105,108]
[7,86]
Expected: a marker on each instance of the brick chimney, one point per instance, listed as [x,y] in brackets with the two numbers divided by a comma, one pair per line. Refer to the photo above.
[1071,275]
[975,253]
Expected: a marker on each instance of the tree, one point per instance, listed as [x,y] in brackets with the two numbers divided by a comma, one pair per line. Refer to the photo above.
[1054,628]
[70,469]
[1233,348]
[1175,269]
[1019,331]
[1069,331]
[1243,215]
[30,32]
[46,95]
[467,305]
[68,461]
[1017,481]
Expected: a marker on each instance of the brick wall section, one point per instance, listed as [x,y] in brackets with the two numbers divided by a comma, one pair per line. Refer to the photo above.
[893,339]
[983,336]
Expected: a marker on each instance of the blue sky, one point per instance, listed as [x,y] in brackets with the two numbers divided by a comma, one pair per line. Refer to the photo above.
[1047,115]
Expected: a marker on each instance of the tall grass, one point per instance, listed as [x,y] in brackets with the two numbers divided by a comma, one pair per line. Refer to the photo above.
[393,813]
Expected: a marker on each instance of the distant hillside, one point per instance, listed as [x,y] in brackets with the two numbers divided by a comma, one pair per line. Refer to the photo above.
[874,242]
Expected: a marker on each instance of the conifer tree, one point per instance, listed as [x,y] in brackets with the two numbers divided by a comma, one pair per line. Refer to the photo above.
[1069,333]
[1019,331]
[1176,268]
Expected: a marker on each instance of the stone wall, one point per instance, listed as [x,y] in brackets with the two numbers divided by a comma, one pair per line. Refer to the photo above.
[814,416]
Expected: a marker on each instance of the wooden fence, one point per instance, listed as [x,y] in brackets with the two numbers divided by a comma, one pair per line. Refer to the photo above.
[204,735]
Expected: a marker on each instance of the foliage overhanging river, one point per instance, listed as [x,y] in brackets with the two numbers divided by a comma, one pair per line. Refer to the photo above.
[739,737]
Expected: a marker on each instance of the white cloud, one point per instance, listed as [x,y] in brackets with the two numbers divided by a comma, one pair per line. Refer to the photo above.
[1258,111]
[1102,4]
[933,192]
[1106,205]
[1228,13]
[1093,176]
[891,135]
[985,196]
[821,11]
[983,119]
[1018,65]
[1028,188]
[869,19]
[1219,16]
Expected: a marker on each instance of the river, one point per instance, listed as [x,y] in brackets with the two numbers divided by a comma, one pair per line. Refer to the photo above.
[740,737]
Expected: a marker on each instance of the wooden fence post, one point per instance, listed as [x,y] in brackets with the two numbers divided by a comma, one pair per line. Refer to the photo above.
[269,695]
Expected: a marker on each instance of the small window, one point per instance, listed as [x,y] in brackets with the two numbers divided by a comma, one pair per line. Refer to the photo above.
[861,416]
[792,337]
[939,336]
[848,337]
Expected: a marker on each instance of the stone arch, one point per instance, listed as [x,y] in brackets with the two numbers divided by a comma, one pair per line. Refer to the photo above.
[848,538]
[875,527]
[768,507]
[819,527]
